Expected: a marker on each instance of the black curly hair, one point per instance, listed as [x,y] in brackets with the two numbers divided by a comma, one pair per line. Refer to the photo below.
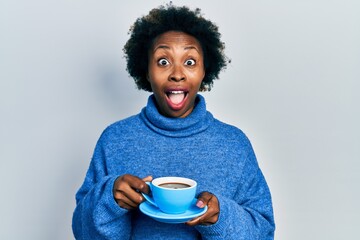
[173,18]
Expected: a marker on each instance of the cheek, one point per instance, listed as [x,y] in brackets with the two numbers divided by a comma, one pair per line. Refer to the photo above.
[199,71]
[152,71]
[198,75]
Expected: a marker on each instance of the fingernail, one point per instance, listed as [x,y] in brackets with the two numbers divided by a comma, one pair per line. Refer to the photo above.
[200,204]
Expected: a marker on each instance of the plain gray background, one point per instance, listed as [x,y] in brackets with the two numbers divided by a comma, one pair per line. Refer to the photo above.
[292,87]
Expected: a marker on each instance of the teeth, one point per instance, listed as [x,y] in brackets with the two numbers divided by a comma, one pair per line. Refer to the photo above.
[176,92]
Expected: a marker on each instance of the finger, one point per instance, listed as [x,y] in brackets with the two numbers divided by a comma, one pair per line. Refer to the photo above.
[125,190]
[132,195]
[195,221]
[212,214]
[137,184]
[147,179]
[203,199]
[210,217]
[146,189]
[201,221]
[123,201]
[123,196]
[125,205]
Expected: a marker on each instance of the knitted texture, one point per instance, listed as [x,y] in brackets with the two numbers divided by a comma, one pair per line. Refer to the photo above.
[216,155]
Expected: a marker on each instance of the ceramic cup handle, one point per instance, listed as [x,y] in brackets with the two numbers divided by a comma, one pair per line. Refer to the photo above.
[148,197]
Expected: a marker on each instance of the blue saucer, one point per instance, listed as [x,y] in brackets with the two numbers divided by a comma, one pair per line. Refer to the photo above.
[156,214]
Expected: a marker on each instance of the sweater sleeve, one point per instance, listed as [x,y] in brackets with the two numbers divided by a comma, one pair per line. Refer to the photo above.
[249,215]
[97,215]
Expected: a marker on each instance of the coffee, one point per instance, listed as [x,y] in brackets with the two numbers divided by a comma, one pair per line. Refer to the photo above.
[174,185]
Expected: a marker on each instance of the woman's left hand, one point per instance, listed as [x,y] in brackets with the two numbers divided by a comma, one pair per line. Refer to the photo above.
[212,214]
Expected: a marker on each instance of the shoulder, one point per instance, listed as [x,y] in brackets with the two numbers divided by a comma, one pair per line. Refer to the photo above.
[228,129]
[230,134]
[126,122]
[122,127]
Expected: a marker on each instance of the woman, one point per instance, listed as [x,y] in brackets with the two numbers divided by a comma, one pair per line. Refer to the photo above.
[174,53]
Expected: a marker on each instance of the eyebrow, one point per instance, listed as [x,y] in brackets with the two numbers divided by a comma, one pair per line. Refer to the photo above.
[167,47]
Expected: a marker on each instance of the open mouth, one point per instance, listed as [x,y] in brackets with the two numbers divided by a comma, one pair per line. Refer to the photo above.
[176,97]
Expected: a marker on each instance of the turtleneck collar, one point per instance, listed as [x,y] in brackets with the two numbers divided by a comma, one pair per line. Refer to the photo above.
[197,121]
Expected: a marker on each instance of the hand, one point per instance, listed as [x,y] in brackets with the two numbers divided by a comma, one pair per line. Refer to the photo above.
[127,190]
[212,214]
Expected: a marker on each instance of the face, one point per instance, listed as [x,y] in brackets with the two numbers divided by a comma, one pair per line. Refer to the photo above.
[175,72]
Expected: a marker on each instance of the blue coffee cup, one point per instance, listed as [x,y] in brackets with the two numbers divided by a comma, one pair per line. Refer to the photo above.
[172,195]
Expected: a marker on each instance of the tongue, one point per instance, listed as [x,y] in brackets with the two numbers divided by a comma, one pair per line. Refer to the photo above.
[176,98]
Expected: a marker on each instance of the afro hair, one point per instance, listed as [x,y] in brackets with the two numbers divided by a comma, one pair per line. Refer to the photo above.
[172,18]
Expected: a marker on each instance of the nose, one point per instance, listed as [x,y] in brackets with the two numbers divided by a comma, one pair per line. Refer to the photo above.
[177,74]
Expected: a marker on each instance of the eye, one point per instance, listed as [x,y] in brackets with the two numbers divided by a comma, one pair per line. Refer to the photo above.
[190,62]
[163,62]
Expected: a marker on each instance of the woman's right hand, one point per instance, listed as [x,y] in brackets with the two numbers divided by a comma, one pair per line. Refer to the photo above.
[127,190]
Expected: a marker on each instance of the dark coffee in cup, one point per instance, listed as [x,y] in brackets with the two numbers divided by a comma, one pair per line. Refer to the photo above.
[174,185]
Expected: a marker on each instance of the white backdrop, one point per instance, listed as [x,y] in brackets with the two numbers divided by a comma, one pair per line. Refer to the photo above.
[293,87]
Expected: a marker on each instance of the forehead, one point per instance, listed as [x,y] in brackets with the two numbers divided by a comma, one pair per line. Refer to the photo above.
[176,39]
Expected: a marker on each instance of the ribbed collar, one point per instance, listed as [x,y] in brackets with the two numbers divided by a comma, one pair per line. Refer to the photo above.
[197,121]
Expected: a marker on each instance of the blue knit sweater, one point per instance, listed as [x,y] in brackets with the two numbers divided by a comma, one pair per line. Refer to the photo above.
[218,156]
